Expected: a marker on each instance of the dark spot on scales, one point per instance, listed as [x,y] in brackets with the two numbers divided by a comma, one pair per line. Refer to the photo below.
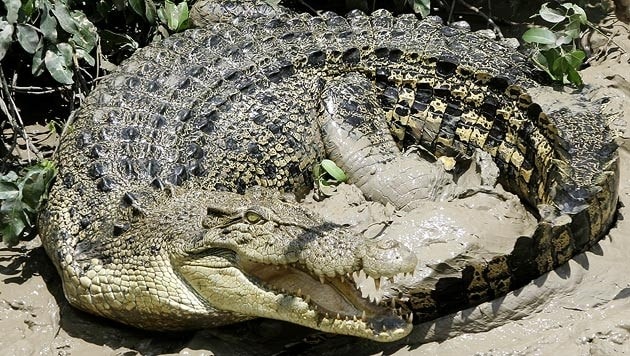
[231,144]
[258,118]
[389,96]
[317,58]
[193,150]
[499,83]
[133,82]
[105,184]
[382,74]
[159,121]
[153,86]
[97,170]
[270,170]
[68,180]
[207,123]
[196,71]
[197,168]
[446,66]
[453,110]
[402,111]
[83,139]
[84,222]
[120,228]
[395,55]
[184,84]
[154,168]
[352,55]
[489,107]
[96,151]
[130,199]
[533,111]
[442,92]
[157,183]
[130,133]
[353,120]
[178,175]
[126,166]
[184,115]
[381,52]
[254,149]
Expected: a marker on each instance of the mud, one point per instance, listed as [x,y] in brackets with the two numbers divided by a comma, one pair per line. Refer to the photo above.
[581,308]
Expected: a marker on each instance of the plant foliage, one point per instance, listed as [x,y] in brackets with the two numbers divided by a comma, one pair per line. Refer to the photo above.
[21,197]
[555,48]
[60,36]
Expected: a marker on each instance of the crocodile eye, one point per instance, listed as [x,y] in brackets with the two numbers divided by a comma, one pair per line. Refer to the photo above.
[252,217]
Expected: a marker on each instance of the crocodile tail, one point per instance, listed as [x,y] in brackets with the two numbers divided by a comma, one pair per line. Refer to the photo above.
[570,185]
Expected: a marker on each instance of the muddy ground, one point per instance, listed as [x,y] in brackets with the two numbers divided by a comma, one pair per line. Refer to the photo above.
[582,308]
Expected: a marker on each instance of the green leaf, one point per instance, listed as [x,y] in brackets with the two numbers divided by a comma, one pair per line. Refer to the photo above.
[539,35]
[86,36]
[48,26]
[559,66]
[11,176]
[8,191]
[575,58]
[12,229]
[574,77]
[63,16]
[170,11]
[545,59]
[150,11]
[182,17]
[175,16]
[137,6]
[28,37]
[422,7]
[37,66]
[85,56]
[551,15]
[12,7]
[57,67]
[563,39]
[331,168]
[581,15]
[6,37]
[36,181]
[27,8]
[66,51]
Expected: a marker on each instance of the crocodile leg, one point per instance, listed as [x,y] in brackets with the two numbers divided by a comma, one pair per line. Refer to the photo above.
[357,138]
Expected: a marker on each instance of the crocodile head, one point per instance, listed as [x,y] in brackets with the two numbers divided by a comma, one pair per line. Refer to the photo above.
[260,256]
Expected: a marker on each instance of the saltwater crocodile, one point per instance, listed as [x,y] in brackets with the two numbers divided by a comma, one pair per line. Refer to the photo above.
[170,209]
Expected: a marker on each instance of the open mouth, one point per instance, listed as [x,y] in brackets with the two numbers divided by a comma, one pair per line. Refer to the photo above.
[333,299]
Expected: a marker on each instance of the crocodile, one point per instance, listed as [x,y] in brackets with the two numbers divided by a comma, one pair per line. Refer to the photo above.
[175,201]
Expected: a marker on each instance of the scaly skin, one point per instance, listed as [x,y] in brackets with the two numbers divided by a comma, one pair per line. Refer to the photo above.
[154,219]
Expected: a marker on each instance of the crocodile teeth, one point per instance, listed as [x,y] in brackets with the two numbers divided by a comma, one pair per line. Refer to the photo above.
[343,280]
[391,279]
[321,279]
[307,299]
[410,317]
[393,301]
[299,292]
[363,316]
[377,283]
